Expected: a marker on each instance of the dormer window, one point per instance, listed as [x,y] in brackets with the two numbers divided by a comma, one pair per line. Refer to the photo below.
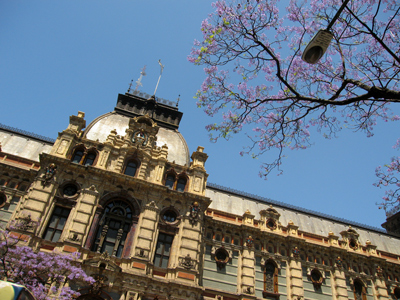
[169,181]
[181,184]
[174,182]
[131,168]
[84,157]
[89,159]
[77,157]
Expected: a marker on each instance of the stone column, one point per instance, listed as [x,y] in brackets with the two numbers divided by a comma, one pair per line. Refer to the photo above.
[147,227]
[295,289]
[339,286]
[247,274]
[380,286]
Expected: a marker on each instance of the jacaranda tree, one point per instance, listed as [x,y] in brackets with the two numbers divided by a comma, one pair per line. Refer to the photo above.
[45,274]
[256,79]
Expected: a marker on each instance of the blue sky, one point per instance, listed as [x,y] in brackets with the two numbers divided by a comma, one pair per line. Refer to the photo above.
[61,57]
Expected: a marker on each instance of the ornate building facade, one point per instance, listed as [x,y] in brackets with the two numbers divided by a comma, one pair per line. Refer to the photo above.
[127,194]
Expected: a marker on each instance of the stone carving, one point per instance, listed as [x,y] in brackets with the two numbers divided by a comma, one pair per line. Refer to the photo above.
[105,256]
[51,170]
[187,262]
[74,237]
[379,272]
[194,213]
[296,252]
[248,290]
[249,241]
[24,222]
[339,262]
[141,253]
[99,284]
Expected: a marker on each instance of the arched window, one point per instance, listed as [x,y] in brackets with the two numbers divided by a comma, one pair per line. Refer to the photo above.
[270,280]
[360,292]
[396,292]
[89,159]
[131,168]
[3,199]
[181,184]
[174,182]
[80,156]
[77,157]
[169,181]
[113,228]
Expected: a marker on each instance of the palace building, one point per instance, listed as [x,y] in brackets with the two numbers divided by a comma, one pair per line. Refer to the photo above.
[126,192]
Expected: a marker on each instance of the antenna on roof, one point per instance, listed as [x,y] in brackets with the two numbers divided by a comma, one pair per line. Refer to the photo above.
[162,68]
[130,87]
[139,81]
[177,100]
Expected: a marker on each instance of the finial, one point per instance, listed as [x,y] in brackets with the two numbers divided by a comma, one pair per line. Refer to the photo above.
[139,81]
[162,68]
[177,101]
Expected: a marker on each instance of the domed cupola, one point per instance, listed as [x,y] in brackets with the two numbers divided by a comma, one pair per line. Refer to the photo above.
[143,119]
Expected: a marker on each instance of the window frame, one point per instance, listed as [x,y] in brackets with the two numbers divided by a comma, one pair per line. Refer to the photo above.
[103,238]
[363,289]
[55,228]
[162,256]
[128,161]
[275,292]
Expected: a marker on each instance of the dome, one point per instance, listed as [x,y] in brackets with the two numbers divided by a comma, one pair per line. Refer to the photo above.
[100,128]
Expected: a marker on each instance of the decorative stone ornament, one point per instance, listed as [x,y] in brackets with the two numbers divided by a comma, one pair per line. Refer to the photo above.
[99,284]
[249,241]
[351,237]
[139,137]
[339,262]
[296,252]
[248,218]
[51,170]
[187,262]
[270,218]
[248,290]
[194,213]
[379,272]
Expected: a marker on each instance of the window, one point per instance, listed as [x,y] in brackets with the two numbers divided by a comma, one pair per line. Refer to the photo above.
[396,292]
[3,199]
[270,280]
[163,250]
[80,156]
[169,216]
[175,183]
[181,184]
[169,181]
[77,157]
[221,257]
[316,278]
[131,168]
[56,224]
[69,190]
[114,227]
[89,159]
[359,290]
